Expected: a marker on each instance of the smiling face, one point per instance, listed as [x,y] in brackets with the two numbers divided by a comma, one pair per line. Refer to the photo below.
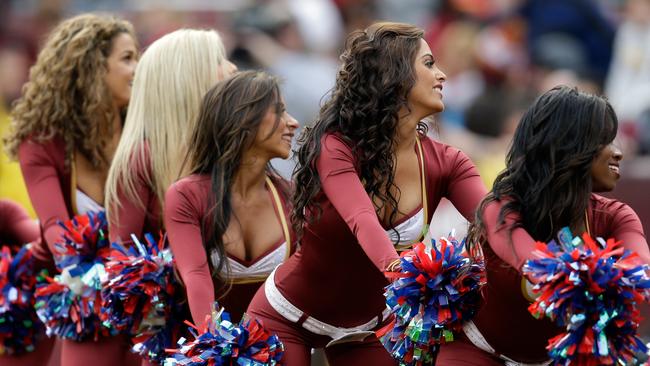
[275,132]
[426,95]
[121,63]
[605,170]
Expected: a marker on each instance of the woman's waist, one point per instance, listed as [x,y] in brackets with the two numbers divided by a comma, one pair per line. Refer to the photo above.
[238,297]
[339,296]
[506,324]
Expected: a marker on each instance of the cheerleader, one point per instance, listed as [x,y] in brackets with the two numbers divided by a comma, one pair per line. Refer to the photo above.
[66,126]
[180,66]
[561,155]
[227,222]
[367,184]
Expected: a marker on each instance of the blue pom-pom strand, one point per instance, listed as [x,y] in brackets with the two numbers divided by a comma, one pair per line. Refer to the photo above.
[223,343]
[437,289]
[591,288]
[70,303]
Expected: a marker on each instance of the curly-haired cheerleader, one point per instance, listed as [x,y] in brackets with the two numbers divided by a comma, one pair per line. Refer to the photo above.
[66,127]
[367,184]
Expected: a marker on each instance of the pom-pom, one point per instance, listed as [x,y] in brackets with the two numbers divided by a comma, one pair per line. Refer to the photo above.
[139,296]
[592,288]
[20,328]
[70,303]
[85,239]
[225,343]
[435,292]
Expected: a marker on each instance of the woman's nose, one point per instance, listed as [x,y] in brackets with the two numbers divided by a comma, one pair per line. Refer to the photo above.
[617,153]
[291,122]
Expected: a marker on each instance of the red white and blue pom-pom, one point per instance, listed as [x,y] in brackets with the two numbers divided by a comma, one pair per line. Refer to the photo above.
[20,328]
[225,343]
[70,303]
[139,296]
[592,288]
[437,289]
[84,240]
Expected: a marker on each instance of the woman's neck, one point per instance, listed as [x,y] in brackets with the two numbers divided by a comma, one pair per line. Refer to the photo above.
[114,139]
[406,132]
[117,126]
[250,177]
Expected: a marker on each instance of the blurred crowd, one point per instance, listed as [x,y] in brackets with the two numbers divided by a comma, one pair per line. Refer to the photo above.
[498,56]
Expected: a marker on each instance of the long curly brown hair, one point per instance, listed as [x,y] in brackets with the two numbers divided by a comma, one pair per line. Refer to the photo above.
[372,84]
[66,95]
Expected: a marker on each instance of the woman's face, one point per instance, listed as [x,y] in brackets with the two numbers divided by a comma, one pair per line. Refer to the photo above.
[276,143]
[605,169]
[121,63]
[426,95]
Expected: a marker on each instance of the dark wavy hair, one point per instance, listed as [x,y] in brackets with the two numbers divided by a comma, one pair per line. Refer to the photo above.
[228,121]
[372,85]
[547,179]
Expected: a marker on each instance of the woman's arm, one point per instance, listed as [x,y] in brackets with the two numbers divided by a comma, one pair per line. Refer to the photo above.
[16,224]
[627,227]
[186,242]
[341,185]
[44,188]
[465,188]
[515,250]
[624,226]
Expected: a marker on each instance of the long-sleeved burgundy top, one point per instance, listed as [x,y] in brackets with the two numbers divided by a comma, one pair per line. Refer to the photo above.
[504,319]
[16,227]
[49,184]
[187,206]
[133,218]
[336,275]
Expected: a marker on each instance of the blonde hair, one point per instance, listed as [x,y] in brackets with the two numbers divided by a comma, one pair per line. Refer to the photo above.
[170,80]
[66,94]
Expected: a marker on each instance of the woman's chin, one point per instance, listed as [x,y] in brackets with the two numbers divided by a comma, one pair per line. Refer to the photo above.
[284,155]
[437,108]
[602,188]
